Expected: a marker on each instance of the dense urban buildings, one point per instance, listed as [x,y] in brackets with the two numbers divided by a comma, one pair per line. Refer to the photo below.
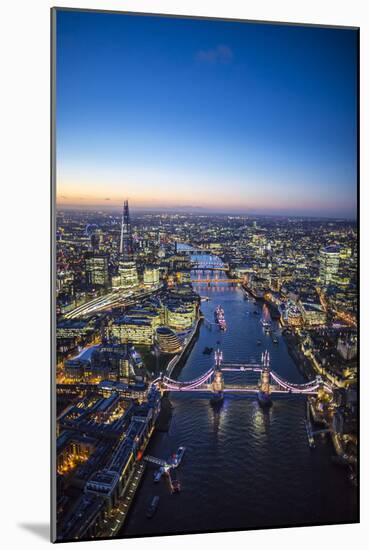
[114,340]
[206,275]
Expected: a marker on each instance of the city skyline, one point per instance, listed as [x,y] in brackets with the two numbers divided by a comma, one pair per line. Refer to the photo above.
[202,212]
[132,299]
[276,125]
[206,285]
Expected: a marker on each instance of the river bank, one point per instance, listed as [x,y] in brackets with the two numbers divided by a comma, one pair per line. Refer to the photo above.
[173,368]
[165,416]
[302,362]
[239,451]
[175,365]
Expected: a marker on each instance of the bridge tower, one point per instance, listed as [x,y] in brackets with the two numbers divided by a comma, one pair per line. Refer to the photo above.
[218,380]
[161,385]
[161,388]
[264,392]
[323,397]
[265,373]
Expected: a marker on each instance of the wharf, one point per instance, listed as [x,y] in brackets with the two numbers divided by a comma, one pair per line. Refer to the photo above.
[119,513]
[302,362]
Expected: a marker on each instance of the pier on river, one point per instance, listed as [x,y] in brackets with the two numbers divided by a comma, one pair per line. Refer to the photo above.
[245,467]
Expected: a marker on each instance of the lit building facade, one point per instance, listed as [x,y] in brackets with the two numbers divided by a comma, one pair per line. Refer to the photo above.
[329,263]
[313,314]
[347,347]
[133,330]
[167,340]
[127,270]
[96,267]
[291,315]
[180,317]
[151,276]
[127,275]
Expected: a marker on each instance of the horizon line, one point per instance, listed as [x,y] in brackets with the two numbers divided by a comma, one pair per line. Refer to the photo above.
[199,210]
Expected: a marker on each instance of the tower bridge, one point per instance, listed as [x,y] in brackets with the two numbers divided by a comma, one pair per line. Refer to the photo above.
[214,380]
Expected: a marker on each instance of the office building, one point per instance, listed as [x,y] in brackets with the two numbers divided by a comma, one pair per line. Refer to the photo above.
[329,263]
[96,267]
[151,276]
[127,270]
[167,340]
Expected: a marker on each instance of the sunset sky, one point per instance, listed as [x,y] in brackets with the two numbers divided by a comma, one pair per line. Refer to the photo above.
[224,116]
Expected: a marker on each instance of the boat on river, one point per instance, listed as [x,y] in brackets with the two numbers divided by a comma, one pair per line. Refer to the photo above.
[158,475]
[152,507]
[177,457]
[219,318]
[175,484]
[265,318]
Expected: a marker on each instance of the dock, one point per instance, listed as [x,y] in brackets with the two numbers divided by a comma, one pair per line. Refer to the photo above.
[119,514]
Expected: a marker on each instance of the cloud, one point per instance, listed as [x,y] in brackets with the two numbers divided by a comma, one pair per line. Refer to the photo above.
[107,199]
[220,54]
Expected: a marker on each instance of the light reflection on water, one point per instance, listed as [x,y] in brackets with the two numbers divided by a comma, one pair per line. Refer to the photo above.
[244,467]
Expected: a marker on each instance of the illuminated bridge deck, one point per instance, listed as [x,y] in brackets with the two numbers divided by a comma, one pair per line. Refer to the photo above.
[210,380]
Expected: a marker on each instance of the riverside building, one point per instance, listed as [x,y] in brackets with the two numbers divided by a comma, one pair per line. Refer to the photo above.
[167,340]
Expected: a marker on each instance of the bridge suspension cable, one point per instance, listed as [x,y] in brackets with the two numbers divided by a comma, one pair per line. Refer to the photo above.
[195,380]
[194,384]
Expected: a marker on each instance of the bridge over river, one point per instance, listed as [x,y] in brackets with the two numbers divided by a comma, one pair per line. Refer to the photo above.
[245,466]
[267,380]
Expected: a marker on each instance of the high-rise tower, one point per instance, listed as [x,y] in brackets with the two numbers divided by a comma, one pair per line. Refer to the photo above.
[329,264]
[96,266]
[127,270]
[126,241]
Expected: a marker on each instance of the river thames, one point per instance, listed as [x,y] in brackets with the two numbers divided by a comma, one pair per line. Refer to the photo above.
[244,467]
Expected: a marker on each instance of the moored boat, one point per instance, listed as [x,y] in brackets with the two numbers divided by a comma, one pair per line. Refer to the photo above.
[174,482]
[158,475]
[177,457]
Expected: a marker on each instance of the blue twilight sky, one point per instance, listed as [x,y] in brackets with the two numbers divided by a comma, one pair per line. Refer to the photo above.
[217,115]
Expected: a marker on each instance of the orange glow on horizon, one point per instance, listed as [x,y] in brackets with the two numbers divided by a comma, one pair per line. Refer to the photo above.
[178,195]
[146,201]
